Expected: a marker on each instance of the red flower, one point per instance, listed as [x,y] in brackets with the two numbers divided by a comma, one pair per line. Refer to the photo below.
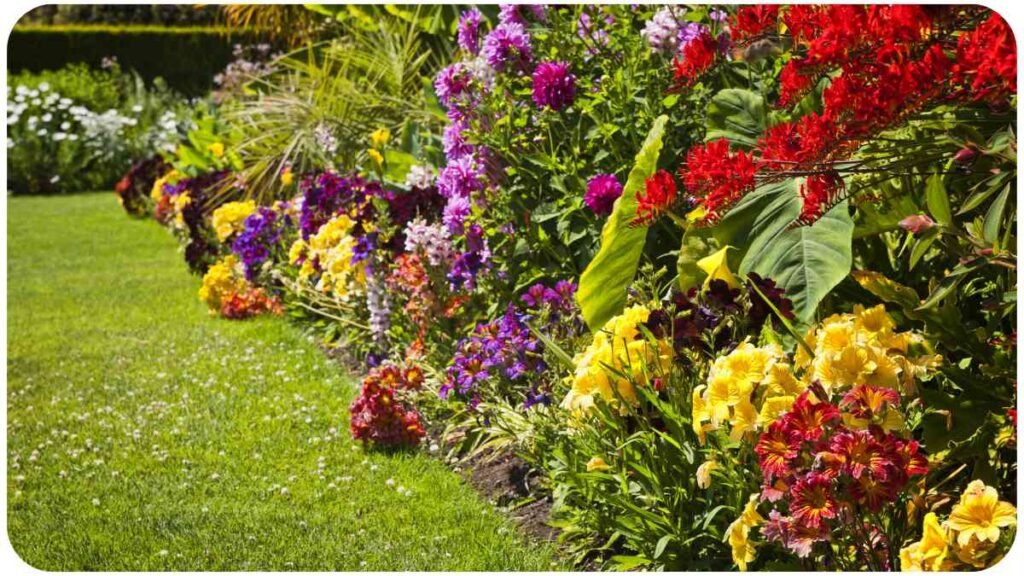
[865,401]
[860,453]
[752,21]
[659,195]
[718,176]
[986,61]
[793,84]
[813,501]
[806,420]
[911,461]
[871,492]
[819,193]
[775,451]
[698,56]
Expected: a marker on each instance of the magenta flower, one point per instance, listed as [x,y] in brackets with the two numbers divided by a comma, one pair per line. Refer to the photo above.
[553,85]
[508,47]
[602,192]
[469,31]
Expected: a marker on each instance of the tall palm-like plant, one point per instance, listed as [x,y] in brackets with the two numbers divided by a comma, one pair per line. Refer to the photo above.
[320,105]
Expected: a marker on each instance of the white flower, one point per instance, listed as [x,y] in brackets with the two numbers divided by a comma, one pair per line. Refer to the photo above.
[41,132]
[44,86]
[65,126]
[420,176]
[47,117]
[55,179]
[389,482]
[137,108]
[59,136]
[35,102]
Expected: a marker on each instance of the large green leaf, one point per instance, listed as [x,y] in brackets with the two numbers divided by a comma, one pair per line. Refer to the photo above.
[736,115]
[603,285]
[698,242]
[808,261]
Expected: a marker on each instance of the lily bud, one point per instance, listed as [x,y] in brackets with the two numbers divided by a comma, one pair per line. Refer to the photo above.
[917,223]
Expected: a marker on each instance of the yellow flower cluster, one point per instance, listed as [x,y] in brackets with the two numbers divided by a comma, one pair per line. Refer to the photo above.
[863,348]
[968,537]
[618,358]
[749,388]
[738,534]
[180,202]
[229,218]
[158,185]
[222,279]
[332,246]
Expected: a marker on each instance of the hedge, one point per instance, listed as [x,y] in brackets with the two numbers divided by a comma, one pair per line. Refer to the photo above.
[186,57]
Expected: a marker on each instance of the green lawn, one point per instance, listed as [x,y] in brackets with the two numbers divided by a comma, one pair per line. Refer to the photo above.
[144,434]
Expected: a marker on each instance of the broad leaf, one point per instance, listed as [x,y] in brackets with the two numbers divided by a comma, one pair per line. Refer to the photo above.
[736,115]
[698,242]
[602,290]
[808,261]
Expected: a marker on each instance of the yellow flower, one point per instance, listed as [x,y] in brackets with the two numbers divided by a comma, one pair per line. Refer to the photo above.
[704,473]
[158,185]
[333,246]
[376,156]
[219,281]
[297,251]
[930,552]
[380,137]
[717,268]
[617,348]
[597,463]
[287,176]
[180,202]
[738,534]
[229,218]
[773,408]
[697,214]
[980,514]
[217,149]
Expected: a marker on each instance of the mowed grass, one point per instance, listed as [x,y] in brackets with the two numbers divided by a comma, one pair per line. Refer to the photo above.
[144,434]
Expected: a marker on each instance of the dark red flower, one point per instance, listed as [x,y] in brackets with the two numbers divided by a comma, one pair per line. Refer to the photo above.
[699,55]
[752,21]
[807,419]
[717,176]
[813,500]
[776,450]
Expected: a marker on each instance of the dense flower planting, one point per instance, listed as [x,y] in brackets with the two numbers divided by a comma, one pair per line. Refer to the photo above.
[750,267]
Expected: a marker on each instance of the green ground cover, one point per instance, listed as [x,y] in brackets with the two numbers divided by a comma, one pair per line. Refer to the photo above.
[145,435]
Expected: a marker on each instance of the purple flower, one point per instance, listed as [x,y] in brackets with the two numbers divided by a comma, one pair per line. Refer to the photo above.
[588,29]
[516,13]
[461,177]
[553,85]
[453,86]
[327,194]
[718,15]
[667,32]
[454,142]
[468,264]
[455,213]
[508,47]
[469,31]
[433,240]
[602,192]
[259,239]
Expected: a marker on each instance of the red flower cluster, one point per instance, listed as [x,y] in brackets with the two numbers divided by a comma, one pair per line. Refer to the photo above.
[751,22]
[986,61]
[891,63]
[378,415]
[247,303]
[658,196]
[827,472]
[719,176]
[699,55]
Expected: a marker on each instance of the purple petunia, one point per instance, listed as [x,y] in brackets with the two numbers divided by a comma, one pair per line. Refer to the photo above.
[469,30]
[553,85]
[259,239]
[507,47]
[602,192]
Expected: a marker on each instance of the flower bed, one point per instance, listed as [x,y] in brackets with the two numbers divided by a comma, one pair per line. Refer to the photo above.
[737,284]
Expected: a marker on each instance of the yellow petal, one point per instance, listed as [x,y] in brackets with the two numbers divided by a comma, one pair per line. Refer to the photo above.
[716,266]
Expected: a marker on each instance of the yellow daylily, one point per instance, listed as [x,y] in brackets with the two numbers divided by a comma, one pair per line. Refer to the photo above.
[597,464]
[376,156]
[380,137]
[716,266]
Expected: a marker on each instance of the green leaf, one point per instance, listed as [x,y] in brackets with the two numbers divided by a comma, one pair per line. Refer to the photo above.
[398,164]
[603,285]
[736,115]
[994,216]
[659,549]
[938,200]
[808,261]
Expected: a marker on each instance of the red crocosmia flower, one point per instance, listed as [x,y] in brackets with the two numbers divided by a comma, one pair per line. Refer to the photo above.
[813,501]
[865,401]
[819,193]
[793,83]
[698,56]
[986,61]
[718,177]
[861,453]
[775,450]
[752,21]
[658,196]
[806,420]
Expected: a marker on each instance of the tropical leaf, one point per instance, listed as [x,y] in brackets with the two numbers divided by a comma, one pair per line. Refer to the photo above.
[603,285]
[736,115]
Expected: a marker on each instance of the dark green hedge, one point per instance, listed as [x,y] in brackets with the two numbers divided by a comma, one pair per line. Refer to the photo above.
[187,58]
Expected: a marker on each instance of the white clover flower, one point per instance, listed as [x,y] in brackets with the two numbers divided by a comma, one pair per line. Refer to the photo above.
[35,102]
